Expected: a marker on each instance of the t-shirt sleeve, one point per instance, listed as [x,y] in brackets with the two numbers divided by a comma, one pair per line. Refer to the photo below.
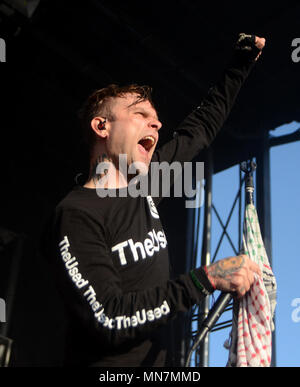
[91,286]
[198,130]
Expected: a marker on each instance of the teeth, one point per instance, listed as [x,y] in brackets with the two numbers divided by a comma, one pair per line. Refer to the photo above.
[149,138]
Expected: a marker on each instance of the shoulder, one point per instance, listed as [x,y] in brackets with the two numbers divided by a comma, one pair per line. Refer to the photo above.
[82,202]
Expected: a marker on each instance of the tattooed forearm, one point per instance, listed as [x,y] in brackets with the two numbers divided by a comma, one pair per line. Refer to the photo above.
[226,267]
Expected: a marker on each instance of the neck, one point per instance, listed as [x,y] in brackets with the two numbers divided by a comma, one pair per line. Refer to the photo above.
[104,174]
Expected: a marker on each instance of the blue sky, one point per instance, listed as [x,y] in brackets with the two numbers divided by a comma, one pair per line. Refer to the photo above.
[285,205]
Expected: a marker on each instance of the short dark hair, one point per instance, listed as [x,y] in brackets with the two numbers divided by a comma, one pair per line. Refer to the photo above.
[98,104]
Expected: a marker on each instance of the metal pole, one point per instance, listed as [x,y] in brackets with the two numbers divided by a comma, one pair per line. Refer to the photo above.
[240,210]
[11,290]
[206,253]
[191,253]
[263,198]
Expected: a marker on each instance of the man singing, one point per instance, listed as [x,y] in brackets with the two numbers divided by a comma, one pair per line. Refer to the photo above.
[110,252]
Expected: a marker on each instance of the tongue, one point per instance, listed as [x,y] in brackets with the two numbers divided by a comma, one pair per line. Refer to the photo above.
[146,144]
[142,149]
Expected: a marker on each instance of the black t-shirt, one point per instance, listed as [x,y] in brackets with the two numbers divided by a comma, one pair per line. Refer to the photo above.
[111,255]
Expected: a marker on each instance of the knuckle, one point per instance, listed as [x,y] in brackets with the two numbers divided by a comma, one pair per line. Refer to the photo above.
[238,282]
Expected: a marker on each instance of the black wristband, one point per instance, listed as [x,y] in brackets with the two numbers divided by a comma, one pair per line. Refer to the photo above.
[200,279]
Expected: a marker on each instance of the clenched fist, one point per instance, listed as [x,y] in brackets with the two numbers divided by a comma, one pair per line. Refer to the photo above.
[233,274]
[250,46]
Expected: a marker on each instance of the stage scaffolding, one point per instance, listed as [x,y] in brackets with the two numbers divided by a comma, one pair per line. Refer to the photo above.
[200,357]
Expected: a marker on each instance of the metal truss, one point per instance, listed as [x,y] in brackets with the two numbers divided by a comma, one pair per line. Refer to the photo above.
[263,191]
[200,312]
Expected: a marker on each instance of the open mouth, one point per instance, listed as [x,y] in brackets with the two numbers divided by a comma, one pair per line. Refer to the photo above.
[147,143]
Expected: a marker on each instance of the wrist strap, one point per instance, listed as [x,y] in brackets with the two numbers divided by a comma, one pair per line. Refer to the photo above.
[201,280]
[211,282]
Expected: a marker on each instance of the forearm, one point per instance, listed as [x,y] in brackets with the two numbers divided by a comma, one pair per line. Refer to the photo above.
[114,318]
[198,130]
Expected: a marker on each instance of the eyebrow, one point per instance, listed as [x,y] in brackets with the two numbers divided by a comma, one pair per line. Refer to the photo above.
[143,110]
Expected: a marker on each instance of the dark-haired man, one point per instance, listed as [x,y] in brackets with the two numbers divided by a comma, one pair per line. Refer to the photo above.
[126,123]
[110,253]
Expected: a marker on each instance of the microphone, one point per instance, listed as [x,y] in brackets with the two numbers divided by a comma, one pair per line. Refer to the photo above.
[213,316]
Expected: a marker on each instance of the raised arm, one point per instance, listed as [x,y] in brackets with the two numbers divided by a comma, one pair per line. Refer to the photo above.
[199,128]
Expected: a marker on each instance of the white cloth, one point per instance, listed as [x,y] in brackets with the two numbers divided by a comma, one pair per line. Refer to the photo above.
[251,335]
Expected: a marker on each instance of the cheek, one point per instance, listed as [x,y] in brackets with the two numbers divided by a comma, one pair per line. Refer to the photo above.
[121,142]
[116,140]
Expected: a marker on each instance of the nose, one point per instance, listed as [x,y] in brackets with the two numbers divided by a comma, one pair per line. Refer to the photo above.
[155,124]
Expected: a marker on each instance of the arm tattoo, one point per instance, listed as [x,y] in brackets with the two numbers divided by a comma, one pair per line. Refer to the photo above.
[227,267]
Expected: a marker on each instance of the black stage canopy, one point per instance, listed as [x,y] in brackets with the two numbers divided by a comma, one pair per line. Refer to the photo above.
[67,49]
[63,50]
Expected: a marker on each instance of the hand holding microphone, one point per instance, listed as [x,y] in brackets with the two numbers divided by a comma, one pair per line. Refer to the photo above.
[233,274]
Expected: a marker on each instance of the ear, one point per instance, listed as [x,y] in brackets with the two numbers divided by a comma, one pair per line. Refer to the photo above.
[96,123]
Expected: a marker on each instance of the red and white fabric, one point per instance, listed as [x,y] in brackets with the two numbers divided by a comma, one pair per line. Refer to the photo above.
[251,335]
